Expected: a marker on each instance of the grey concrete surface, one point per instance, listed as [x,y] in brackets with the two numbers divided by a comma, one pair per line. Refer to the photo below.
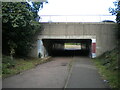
[49,75]
[84,75]
[104,33]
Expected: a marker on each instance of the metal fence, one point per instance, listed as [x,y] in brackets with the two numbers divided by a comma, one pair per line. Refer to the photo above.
[76,18]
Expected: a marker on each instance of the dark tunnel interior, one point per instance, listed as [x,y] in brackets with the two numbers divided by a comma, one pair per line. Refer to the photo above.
[68,47]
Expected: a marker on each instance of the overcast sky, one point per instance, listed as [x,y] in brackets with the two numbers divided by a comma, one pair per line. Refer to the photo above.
[77,7]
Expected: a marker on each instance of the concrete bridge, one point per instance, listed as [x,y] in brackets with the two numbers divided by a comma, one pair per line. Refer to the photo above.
[97,37]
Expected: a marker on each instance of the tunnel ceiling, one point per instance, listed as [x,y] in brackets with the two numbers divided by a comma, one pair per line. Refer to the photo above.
[68,40]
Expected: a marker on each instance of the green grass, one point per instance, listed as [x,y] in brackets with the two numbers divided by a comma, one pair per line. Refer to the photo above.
[72,44]
[21,65]
[108,67]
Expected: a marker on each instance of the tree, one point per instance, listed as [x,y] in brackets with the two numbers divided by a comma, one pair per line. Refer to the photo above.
[116,11]
[19,26]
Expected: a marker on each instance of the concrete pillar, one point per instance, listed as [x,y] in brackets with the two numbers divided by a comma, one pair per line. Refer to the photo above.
[93,48]
[61,46]
[81,46]
[41,50]
[58,46]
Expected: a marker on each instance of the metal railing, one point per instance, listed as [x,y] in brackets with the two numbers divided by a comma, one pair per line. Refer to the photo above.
[76,18]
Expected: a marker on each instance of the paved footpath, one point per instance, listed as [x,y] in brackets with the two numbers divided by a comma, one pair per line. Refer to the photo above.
[52,74]
[84,75]
[55,74]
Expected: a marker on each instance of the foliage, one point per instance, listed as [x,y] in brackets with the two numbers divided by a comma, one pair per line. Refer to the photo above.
[109,68]
[113,57]
[19,26]
[72,44]
[110,59]
[116,10]
[7,63]
[19,65]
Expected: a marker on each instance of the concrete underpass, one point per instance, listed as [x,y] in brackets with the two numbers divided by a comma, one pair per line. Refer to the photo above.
[98,38]
[56,47]
[72,71]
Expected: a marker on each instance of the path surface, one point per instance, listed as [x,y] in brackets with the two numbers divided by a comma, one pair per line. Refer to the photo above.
[48,75]
[55,74]
[84,75]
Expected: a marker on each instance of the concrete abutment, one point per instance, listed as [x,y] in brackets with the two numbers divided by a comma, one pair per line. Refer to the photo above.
[102,36]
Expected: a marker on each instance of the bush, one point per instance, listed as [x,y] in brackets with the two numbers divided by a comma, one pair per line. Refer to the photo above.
[109,68]
[110,59]
[7,63]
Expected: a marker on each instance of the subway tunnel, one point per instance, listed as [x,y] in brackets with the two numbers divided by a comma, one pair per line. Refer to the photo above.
[68,47]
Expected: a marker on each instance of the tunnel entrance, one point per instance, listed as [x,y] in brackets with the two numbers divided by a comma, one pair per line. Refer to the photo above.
[68,47]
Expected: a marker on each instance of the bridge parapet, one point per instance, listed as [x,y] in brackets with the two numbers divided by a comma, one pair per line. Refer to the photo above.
[76,29]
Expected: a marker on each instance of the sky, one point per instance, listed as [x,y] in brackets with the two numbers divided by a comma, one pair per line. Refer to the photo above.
[76,11]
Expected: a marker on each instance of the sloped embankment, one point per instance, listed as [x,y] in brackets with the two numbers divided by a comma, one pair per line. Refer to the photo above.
[17,65]
[109,68]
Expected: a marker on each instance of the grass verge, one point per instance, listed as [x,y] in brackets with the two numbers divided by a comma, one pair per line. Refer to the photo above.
[20,65]
[109,68]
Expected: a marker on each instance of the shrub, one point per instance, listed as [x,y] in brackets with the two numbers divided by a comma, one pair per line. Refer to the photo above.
[7,63]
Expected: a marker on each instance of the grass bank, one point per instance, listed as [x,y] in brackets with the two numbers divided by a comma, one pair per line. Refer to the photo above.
[18,65]
[109,68]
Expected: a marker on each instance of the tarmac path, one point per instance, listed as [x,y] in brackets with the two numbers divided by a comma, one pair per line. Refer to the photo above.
[84,74]
[52,74]
[57,74]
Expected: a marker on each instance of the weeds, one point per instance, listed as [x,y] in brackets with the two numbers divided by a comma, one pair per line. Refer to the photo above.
[108,67]
[15,66]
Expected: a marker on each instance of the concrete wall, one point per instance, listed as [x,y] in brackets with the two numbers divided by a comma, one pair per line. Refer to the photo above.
[104,33]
